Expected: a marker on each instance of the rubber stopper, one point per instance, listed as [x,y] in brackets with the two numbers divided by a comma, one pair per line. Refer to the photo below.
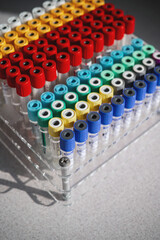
[98,13]
[107,20]
[157,72]
[117,55]
[151,80]
[12,72]
[119,27]
[129,21]
[96,26]
[127,50]
[29,50]
[25,65]
[81,131]
[44,115]
[46,99]
[87,19]
[74,37]
[108,8]
[64,30]
[23,85]
[60,90]
[72,83]
[39,58]
[109,36]
[118,14]
[140,87]
[67,140]
[41,43]
[49,67]
[94,122]
[87,48]
[76,24]
[75,53]
[63,62]
[52,36]
[95,69]
[4,64]
[37,77]
[137,43]
[33,107]
[15,58]
[118,103]
[129,95]
[98,39]
[84,75]
[50,51]
[106,62]
[85,31]
[106,112]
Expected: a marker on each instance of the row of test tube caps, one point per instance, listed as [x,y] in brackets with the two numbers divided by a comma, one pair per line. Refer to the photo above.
[123,26]
[57,135]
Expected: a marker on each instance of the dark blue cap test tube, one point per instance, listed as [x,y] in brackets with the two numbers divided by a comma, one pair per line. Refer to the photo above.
[151,80]
[106,112]
[118,103]
[157,72]
[94,122]
[67,140]
[129,95]
[140,87]
[81,131]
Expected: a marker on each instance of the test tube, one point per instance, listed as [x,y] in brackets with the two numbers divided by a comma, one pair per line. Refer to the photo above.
[23,88]
[118,69]
[95,100]
[118,85]
[63,66]
[49,67]
[94,126]
[156,98]
[118,110]
[37,81]
[57,107]
[118,14]
[98,13]
[38,58]
[95,83]
[98,39]
[29,50]
[106,92]
[48,5]
[87,19]
[84,75]
[129,28]
[41,43]
[33,107]
[82,108]
[60,90]
[106,112]
[14,22]
[148,50]
[55,127]
[52,36]
[12,72]
[128,62]
[129,77]
[140,87]
[95,70]
[137,44]
[149,64]
[4,64]
[109,39]
[75,52]
[108,8]
[71,98]
[119,27]
[46,99]
[127,50]
[15,58]
[67,144]
[81,136]
[87,52]
[139,70]
[37,12]
[44,115]
[69,117]
[50,51]
[117,56]
[151,80]
[4,28]
[76,24]
[129,95]
[25,65]
[72,83]
[25,17]
[106,62]
[83,90]
[156,57]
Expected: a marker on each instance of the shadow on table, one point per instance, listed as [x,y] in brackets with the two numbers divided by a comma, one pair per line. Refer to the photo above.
[22,180]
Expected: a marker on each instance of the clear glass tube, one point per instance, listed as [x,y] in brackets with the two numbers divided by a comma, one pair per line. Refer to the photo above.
[127,39]
[49,86]
[45,142]
[86,63]
[148,103]
[118,44]
[55,150]
[81,149]
[137,111]
[93,142]
[15,97]
[36,93]
[70,155]
[107,50]
[105,132]
[97,57]
[6,90]
[156,99]
[35,130]
[23,104]
[62,78]
[74,70]
[127,118]
[116,125]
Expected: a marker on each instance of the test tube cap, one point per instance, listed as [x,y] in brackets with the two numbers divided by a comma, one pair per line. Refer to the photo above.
[50,51]
[25,65]
[76,24]
[157,72]
[107,19]
[95,100]
[127,50]
[117,55]
[119,27]
[148,50]
[33,107]
[81,131]
[140,87]
[87,19]
[2,41]
[4,64]
[46,99]
[77,12]
[37,77]
[55,126]
[98,13]
[68,6]
[32,35]
[118,14]
[20,42]
[95,69]
[118,85]
[57,12]
[41,43]
[118,103]
[78,3]
[98,39]
[118,69]
[129,95]
[84,75]
[67,140]
[74,37]
[83,90]
[138,56]
[44,115]
[63,44]
[52,36]
[72,83]
[108,7]
[109,35]
[156,57]
[69,117]
[129,24]
[107,76]
[151,80]
[128,62]
[56,23]
[57,107]
[60,90]
[95,83]
[106,112]
[96,25]
[12,72]
[85,31]
[82,108]
[49,67]
[23,85]
[137,43]
[43,29]
[106,62]
[34,23]
[129,77]
[63,62]
[10,36]
[87,48]
[71,98]
[25,16]
[75,52]
[39,58]
[7,49]
[46,17]
[94,122]
[149,63]
[106,92]
[29,50]
[87,7]
[64,30]
[15,58]
[66,17]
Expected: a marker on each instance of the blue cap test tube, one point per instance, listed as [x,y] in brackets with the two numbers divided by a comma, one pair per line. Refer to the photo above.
[106,112]
[140,87]
[156,97]
[81,136]
[94,125]
[151,81]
